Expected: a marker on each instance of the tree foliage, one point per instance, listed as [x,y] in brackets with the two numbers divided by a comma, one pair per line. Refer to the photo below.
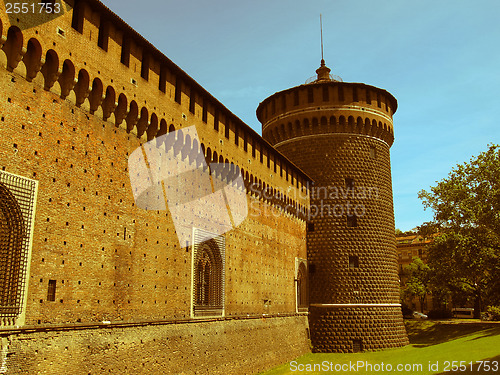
[417,281]
[470,197]
[466,205]
[410,232]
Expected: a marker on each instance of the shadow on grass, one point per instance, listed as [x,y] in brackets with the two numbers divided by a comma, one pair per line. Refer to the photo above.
[488,333]
[427,333]
[487,366]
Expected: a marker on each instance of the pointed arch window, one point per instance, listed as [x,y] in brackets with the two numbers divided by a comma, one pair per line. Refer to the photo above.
[208,274]
[205,271]
[302,301]
[17,210]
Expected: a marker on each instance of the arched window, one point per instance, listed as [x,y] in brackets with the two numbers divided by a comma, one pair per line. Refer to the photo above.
[121,109]
[153,127]
[204,276]
[17,199]
[301,285]
[208,274]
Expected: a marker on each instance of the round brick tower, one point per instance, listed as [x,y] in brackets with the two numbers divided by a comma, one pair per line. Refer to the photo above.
[340,134]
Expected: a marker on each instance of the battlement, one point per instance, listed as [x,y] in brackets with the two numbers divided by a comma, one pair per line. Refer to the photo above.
[89,56]
[311,105]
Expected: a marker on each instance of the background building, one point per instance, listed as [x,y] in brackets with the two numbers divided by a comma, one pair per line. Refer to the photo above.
[410,247]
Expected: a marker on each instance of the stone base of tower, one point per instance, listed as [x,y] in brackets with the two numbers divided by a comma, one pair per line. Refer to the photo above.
[348,329]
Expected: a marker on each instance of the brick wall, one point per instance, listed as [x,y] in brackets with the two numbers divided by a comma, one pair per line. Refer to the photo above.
[111,260]
[242,346]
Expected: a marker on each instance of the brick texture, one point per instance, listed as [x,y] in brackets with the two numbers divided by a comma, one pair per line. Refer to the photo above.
[71,114]
[245,346]
[337,134]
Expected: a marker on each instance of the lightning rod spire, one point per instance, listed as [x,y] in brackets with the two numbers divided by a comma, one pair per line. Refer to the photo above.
[321,30]
[323,71]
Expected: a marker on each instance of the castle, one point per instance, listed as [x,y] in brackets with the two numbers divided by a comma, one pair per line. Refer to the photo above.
[92,282]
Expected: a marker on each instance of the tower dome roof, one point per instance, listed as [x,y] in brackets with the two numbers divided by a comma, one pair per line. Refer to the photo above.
[323,75]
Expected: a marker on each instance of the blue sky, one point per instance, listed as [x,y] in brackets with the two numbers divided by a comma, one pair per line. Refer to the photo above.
[440,59]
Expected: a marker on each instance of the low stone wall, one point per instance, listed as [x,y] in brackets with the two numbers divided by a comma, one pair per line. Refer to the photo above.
[231,346]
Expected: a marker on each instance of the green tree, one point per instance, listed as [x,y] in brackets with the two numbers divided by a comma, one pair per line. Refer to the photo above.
[466,205]
[428,229]
[417,281]
[411,232]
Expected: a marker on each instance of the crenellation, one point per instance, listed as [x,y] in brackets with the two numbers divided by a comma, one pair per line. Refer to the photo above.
[358,97]
[96,99]
[136,53]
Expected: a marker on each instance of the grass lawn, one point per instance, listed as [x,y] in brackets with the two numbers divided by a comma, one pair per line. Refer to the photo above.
[431,343]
